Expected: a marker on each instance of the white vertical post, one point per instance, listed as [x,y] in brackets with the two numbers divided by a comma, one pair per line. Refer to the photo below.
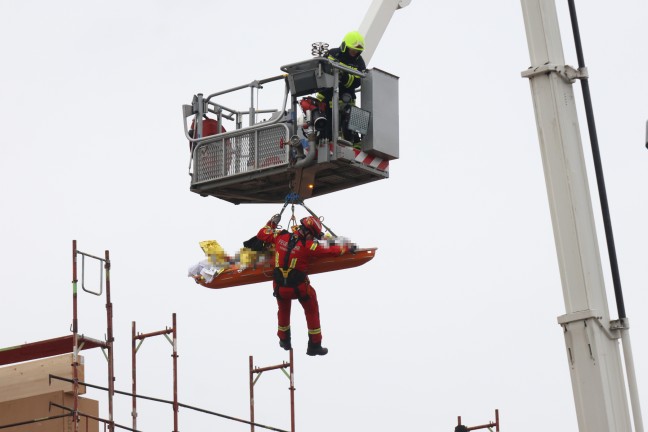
[593,353]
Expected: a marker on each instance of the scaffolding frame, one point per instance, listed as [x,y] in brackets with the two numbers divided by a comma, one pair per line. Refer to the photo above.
[258,371]
[488,426]
[75,331]
[135,347]
[73,343]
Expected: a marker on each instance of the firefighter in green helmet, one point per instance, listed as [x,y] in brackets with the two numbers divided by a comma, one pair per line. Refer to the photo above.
[349,54]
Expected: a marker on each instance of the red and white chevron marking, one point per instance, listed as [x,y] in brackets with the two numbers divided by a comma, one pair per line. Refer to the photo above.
[372,161]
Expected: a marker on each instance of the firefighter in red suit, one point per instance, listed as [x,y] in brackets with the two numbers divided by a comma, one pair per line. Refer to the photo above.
[290,279]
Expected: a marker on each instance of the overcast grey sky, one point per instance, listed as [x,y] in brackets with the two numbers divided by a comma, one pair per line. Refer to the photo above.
[456,315]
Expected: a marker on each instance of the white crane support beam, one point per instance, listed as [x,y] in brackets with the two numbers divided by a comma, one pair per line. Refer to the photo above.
[593,353]
[375,23]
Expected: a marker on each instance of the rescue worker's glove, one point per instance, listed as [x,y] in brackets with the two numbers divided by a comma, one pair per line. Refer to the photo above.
[275,219]
[348,80]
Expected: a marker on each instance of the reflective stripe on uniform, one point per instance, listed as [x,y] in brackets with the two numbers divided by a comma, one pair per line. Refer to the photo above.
[349,82]
[314,331]
[313,246]
[284,329]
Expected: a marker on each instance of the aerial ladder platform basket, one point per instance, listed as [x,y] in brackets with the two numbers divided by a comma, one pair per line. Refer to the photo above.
[261,162]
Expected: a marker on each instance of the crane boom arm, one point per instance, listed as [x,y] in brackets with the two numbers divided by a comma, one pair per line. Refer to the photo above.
[375,23]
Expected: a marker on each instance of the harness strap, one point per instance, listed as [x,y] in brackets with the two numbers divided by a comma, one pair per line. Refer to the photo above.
[289,276]
[291,245]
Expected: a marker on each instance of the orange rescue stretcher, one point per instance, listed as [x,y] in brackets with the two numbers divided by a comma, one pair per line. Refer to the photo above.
[235,276]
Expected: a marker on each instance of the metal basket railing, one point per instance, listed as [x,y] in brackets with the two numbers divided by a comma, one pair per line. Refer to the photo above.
[235,153]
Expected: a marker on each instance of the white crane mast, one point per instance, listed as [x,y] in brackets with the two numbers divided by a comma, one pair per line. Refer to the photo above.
[591,339]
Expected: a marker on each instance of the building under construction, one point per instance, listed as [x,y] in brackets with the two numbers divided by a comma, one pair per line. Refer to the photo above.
[42,383]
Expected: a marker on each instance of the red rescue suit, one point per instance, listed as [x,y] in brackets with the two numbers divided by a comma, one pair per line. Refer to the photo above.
[292,255]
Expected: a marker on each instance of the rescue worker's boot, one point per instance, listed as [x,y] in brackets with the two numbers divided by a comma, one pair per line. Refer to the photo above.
[315,349]
[285,342]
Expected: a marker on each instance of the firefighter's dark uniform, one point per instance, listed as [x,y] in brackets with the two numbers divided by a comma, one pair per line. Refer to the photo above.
[348,82]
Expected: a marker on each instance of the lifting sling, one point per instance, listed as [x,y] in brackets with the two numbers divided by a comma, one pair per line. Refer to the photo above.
[288,276]
[294,198]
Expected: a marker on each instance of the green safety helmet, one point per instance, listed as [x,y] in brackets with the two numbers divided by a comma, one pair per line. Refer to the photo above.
[353,40]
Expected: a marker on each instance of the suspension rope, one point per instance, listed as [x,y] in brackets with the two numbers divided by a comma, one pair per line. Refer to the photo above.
[294,198]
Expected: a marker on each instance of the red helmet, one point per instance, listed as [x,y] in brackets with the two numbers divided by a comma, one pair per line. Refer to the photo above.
[312,225]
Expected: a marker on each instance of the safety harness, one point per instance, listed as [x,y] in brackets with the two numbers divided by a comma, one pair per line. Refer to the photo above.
[287,275]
